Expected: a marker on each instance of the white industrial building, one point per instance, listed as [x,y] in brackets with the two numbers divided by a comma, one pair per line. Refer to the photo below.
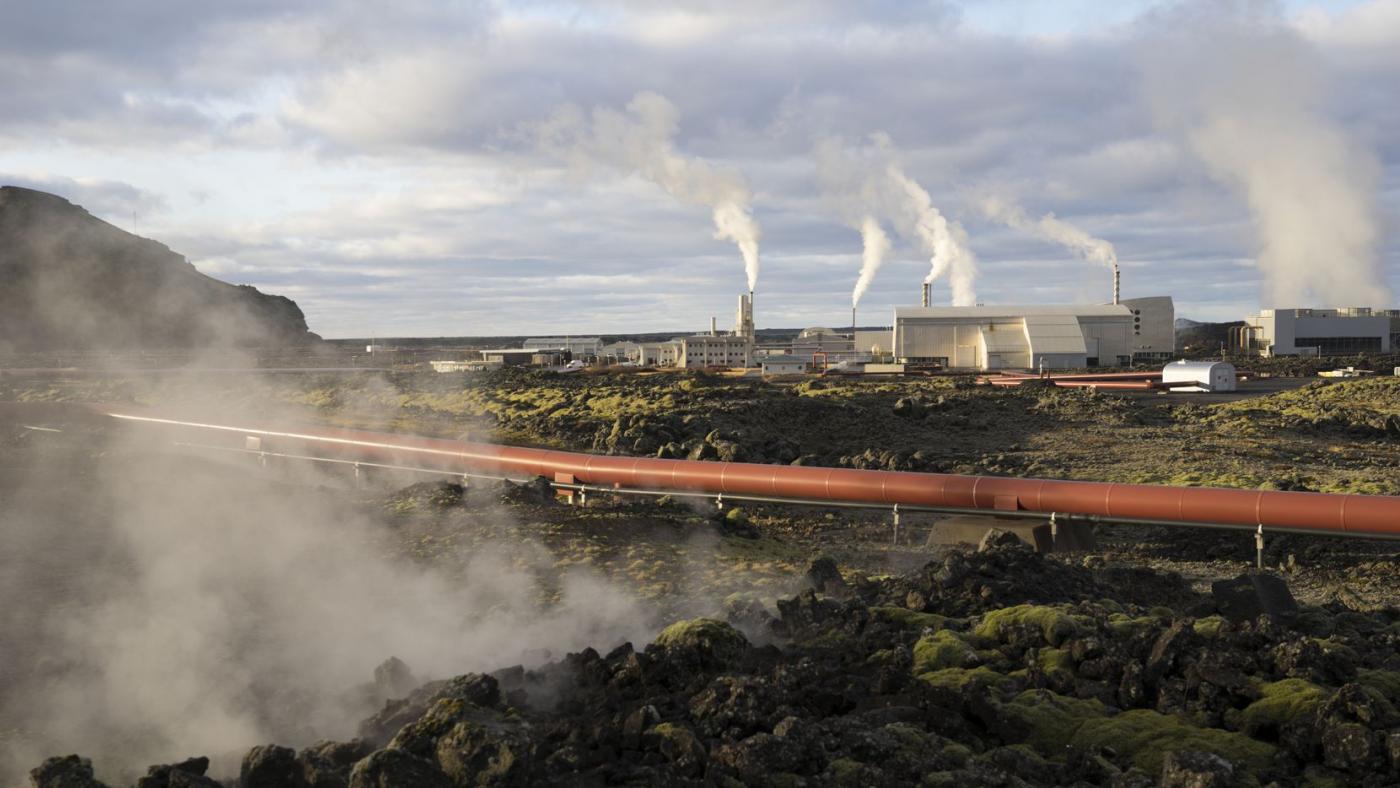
[709,350]
[580,347]
[782,365]
[1035,337]
[657,354]
[1344,331]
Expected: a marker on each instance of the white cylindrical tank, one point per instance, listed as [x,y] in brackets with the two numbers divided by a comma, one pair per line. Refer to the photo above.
[1199,376]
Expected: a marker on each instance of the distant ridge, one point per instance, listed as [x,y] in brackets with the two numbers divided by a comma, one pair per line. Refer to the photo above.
[70,281]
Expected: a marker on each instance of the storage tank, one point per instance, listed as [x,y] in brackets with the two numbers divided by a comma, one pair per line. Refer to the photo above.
[1199,376]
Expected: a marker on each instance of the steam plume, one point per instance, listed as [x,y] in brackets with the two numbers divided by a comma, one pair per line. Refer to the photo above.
[946,241]
[1095,250]
[875,245]
[1245,94]
[867,185]
[641,139]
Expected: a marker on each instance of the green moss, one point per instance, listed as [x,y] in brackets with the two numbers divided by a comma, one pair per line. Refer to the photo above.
[909,619]
[956,679]
[1316,777]
[1123,625]
[1051,720]
[845,771]
[940,650]
[1056,625]
[1140,737]
[1055,660]
[1209,626]
[1282,701]
[1386,682]
[1143,737]
[707,635]
[913,741]
[957,754]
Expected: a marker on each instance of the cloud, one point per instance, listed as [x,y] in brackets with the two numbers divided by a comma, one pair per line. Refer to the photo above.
[407,111]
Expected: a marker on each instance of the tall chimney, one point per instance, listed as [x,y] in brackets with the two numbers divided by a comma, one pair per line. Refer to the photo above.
[1115,283]
[927,294]
[714,328]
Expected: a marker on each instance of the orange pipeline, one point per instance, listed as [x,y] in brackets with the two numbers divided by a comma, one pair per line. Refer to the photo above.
[1376,515]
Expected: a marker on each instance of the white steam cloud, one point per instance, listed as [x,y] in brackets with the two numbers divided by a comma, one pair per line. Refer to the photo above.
[216,610]
[874,246]
[1247,96]
[1095,250]
[869,183]
[641,139]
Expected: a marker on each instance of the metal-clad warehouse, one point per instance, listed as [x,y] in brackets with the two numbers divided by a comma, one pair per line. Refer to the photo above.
[1019,337]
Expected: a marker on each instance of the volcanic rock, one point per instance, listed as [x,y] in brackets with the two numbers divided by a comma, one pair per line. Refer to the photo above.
[1249,596]
[68,771]
[270,766]
[1193,769]
[397,769]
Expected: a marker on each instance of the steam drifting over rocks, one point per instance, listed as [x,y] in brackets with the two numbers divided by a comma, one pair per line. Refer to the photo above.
[993,666]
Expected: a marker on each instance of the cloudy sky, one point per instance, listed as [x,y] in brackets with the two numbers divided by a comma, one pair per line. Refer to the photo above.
[387,170]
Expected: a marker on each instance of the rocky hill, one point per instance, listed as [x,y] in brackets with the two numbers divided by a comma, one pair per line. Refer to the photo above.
[73,281]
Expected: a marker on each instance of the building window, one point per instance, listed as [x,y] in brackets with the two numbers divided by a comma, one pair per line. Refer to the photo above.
[1333,345]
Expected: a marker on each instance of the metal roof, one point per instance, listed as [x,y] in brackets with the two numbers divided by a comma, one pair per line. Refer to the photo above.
[1010,311]
[1055,334]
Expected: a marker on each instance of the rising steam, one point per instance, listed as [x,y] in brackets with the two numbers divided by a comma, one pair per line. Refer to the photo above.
[874,246]
[1246,95]
[946,241]
[1095,250]
[641,139]
[869,184]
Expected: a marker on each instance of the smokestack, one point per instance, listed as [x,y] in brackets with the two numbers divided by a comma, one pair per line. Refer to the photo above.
[926,290]
[714,328]
[853,325]
[1115,283]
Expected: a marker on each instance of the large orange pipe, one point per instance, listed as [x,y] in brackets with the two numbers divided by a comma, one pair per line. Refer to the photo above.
[1373,515]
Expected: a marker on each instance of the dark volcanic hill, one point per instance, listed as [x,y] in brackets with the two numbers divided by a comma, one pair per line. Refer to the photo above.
[69,280]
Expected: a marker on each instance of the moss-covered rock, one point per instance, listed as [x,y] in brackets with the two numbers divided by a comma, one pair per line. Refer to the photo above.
[1049,720]
[706,637]
[1386,682]
[939,650]
[1056,626]
[1142,737]
[1051,723]
[958,679]
[1279,704]
[910,619]
[1208,627]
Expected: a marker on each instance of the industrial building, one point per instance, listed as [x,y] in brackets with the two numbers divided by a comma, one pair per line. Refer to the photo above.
[1035,337]
[782,365]
[516,357]
[579,347]
[709,350]
[657,354]
[1325,332]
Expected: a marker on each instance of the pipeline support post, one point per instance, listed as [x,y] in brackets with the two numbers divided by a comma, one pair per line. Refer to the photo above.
[1259,547]
[719,502]
[895,516]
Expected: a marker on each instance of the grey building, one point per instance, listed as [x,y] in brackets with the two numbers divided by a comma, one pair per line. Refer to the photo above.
[1342,331]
